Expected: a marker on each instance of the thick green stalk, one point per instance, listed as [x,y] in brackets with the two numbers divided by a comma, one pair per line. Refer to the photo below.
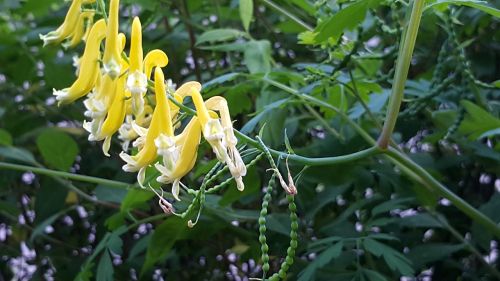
[441,190]
[49,172]
[402,67]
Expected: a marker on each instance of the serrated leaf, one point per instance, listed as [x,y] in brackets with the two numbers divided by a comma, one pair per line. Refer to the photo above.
[58,149]
[135,198]
[246,12]
[345,19]
[478,121]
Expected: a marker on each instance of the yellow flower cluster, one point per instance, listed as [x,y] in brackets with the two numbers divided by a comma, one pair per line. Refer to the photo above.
[115,86]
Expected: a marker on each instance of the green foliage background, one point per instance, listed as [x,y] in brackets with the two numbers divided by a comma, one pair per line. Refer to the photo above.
[360,220]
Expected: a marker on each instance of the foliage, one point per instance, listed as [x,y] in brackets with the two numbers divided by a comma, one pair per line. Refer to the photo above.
[311,79]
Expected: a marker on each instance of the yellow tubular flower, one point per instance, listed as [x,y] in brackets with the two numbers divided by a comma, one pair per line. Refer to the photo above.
[219,135]
[182,92]
[155,58]
[161,123]
[137,82]
[182,156]
[235,163]
[88,67]
[67,27]
[79,31]
[112,58]
[99,102]
[115,116]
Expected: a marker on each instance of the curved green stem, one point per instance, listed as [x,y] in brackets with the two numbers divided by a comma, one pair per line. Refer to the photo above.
[441,190]
[288,14]
[402,67]
[66,175]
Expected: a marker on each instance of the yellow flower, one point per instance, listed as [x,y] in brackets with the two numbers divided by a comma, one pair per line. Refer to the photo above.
[88,67]
[99,102]
[179,154]
[79,32]
[235,163]
[161,123]
[220,135]
[137,81]
[112,52]
[67,27]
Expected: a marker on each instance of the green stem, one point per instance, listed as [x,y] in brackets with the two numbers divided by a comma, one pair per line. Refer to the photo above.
[66,175]
[314,161]
[288,14]
[402,67]
[441,190]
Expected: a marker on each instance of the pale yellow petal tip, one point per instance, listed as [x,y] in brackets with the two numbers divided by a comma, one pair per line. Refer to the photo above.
[239,183]
[105,146]
[112,69]
[175,189]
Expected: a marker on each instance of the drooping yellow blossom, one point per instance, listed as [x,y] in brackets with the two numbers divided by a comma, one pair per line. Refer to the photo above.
[112,52]
[137,81]
[88,67]
[67,27]
[126,131]
[98,103]
[161,123]
[80,29]
[220,135]
[179,155]
[234,162]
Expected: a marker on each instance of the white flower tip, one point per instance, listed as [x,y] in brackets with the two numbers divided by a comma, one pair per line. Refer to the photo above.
[105,145]
[112,69]
[175,189]
[239,183]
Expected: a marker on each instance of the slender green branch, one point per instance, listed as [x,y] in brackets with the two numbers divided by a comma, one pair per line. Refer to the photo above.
[66,175]
[297,158]
[287,14]
[441,190]
[402,68]
[314,161]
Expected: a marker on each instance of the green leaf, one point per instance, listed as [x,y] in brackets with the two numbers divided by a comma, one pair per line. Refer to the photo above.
[58,149]
[394,259]
[218,35]
[480,5]
[105,268]
[323,259]
[252,185]
[246,12]
[428,253]
[40,228]
[136,198]
[478,122]
[257,56]
[19,154]
[163,239]
[345,19]
[5,138]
